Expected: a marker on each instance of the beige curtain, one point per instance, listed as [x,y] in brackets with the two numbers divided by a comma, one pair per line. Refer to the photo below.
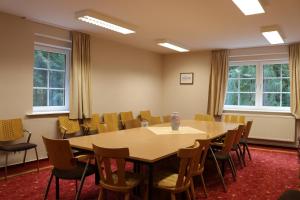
[80,77]
[218,82]
[294,66]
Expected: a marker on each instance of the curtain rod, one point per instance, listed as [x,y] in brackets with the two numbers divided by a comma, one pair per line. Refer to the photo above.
[53,37]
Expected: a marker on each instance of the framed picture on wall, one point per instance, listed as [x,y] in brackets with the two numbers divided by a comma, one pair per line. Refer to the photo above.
[187,78]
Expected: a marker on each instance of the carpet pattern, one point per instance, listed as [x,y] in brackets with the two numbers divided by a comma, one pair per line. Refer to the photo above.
[268,175]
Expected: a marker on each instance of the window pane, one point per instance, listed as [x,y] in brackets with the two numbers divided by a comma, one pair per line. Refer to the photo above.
[56,97]
[57,79]
[247,99]
[248,71]
[286,100]
[233,85]
[272,85]
[271,99]
[39,97]
[272,70]
[285,70]
[57,61]
[285,85]
[231,99]
[40,78]
[247,85]
[233,72]
[40,59]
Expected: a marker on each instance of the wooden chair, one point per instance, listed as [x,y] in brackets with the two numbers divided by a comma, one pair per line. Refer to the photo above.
[236,145]
[126,116]
[94,125]
[134,123]
[146,115]
[65,165]
[118,180]
[199,165]
[203,117]
[222,152]
[12,130]
[181,181]
[68,127]
[234,119]
[111,120]
[167,118]
[244,140]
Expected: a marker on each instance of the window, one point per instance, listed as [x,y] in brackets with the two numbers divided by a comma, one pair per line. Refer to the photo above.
[50,79]
[258,86]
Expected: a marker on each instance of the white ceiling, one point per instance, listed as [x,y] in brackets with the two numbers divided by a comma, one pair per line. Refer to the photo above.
[196,24]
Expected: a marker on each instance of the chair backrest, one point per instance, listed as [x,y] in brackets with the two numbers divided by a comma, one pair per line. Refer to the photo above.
[204,117]
[93,123]
[201,154]
[71,125]
[59,153]
[155,120]
[104,157]
[187,158]
[247,129]
[11,129]
[125,116]
[228,141]
[234,119]
[167,118]
[134,123]
[146,115]
[111,120]
[239,134]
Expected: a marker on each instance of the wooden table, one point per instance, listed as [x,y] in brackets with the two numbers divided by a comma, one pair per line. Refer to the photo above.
[147,147]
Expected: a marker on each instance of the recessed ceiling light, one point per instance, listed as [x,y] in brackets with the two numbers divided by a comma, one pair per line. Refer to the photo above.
[167,44]
[272,35]
[98,19]
[249,7]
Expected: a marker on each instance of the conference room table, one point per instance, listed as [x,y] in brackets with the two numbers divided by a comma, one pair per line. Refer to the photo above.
[148,145]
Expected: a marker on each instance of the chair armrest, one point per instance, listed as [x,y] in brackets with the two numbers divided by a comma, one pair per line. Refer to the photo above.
[29,135]
[63,131]
[219,144]
[84,158]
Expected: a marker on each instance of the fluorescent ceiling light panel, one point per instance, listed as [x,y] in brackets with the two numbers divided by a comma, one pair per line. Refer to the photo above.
[169,45]
[273,37]
[249,7]
[98,19]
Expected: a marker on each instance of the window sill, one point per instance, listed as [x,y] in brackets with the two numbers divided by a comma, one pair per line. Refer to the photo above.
[47,113]
[256,111]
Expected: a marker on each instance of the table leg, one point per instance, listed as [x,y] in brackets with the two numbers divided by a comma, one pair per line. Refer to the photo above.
[150,179]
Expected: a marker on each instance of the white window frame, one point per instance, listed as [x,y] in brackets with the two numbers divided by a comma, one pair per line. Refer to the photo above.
[259,88]
[61,50]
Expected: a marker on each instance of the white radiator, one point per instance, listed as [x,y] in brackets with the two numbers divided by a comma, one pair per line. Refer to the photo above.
[272,127]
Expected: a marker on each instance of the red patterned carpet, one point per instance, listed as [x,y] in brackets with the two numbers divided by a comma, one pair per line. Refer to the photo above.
[268,174]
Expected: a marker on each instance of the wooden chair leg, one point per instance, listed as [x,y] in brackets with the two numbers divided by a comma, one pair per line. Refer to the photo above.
[193,189]
[188,195]
[240,159]
[6,161]
[246,145]
[24,158]
[233,165]
[37,159]
[57,187]
[173,197]
[127,196]
[203,184]
[218,168]
[100,197]
[242,156]
[82,181]
[232,170]
[48,186]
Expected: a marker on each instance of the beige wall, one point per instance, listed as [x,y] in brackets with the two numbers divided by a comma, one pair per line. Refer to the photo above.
[123,78]
[186,99]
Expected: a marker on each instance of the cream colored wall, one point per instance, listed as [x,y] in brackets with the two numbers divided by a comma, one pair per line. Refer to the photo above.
[186,99]
[116,68]
[125,78]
